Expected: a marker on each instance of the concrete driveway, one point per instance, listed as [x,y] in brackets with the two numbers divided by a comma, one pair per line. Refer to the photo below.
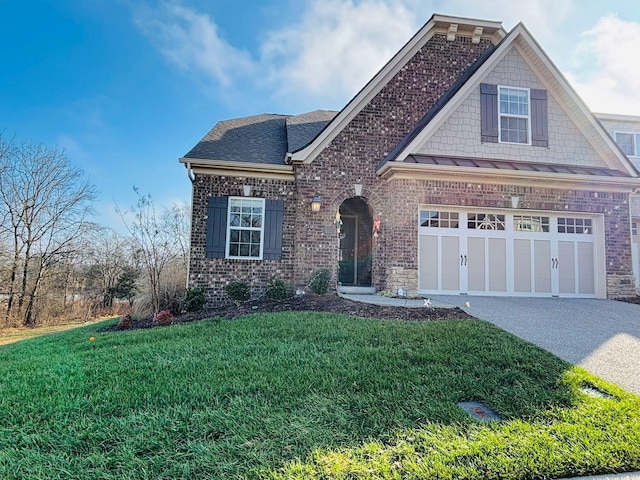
[603,336]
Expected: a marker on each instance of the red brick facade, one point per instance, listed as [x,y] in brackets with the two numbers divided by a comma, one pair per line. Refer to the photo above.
[310,239]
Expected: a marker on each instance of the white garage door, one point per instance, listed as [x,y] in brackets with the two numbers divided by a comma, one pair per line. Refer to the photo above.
[489,253]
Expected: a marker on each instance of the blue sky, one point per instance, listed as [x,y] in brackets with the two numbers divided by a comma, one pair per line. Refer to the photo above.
[127,87]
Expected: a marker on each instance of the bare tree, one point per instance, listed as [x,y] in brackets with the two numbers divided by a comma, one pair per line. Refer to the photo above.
[178,220]
[155,241]
[45,203]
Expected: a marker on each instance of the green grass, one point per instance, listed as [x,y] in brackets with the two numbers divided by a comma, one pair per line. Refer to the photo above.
[304,395]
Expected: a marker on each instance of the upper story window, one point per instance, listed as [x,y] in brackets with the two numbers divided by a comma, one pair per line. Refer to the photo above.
[629,143]
[514,114]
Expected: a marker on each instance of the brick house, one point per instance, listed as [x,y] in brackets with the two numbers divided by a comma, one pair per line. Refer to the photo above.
[625,130]
[467,165]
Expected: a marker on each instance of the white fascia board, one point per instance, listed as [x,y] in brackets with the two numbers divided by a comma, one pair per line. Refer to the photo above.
[563,88]
[238,169]
[460,96]
[373,87]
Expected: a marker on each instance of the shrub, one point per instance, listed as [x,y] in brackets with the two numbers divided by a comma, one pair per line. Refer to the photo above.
[194,299]
[237,291]
[277,290]
[163,317]
[319,282]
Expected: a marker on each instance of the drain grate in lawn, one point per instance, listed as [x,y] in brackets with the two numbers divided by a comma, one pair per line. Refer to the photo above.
[479,411]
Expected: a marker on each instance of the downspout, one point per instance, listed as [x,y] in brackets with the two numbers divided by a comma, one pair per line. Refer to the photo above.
[190,172]
[192,177]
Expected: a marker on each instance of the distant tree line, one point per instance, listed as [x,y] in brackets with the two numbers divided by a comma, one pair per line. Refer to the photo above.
[57,263]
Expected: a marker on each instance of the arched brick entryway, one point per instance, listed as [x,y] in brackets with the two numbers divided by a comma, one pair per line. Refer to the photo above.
[354,259]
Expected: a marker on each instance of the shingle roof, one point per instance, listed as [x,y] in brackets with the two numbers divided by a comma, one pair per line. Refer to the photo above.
[303,128]
[264,138]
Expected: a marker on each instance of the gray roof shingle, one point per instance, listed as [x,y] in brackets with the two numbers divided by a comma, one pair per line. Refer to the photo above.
[264,138]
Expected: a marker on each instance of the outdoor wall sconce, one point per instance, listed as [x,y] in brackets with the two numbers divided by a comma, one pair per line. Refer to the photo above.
[246,190]
[316,202]
[515,201]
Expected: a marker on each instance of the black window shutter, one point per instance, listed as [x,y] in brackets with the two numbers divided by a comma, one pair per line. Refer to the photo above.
[489,112]
[539,125]
[216,227]
[273,221]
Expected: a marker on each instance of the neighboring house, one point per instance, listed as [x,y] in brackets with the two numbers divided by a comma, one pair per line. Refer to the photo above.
[467,165]
[625,130]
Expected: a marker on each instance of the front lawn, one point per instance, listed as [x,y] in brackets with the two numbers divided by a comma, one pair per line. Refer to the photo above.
[304,395]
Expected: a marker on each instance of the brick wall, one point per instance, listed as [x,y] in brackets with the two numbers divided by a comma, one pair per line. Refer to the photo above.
[409,194]
[352,158]
[214,273]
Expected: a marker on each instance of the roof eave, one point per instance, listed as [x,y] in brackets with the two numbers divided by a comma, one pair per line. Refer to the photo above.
[433,26]
[395,170]
[238,169]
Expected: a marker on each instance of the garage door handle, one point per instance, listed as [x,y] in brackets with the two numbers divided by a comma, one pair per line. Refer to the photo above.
[554,263]
[461,260]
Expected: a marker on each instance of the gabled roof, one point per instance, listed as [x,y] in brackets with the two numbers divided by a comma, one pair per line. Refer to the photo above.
[437,24]
[520,38]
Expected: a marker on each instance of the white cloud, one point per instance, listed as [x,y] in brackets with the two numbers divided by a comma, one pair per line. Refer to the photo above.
[606,74]
[191,40]
[336,47]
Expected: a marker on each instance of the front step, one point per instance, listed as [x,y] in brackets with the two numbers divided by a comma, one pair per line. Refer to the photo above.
[356,290]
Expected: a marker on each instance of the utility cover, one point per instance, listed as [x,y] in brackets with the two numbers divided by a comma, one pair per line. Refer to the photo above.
[479,411]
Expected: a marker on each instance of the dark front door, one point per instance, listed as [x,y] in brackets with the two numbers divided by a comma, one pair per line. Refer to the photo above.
[348,251]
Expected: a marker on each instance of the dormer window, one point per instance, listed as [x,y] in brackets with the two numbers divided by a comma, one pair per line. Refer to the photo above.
[514,115]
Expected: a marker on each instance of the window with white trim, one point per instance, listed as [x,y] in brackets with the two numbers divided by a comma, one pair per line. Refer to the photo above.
[575,225]
[514,115]
[629,143]
[435,219]
[530,223]
[634,228]
[245,228]
[485,221]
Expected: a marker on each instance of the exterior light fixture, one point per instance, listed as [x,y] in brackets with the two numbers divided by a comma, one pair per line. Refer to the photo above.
[515,201]
[315,204]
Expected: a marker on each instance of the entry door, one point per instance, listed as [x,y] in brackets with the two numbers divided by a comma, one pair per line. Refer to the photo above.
[348,251]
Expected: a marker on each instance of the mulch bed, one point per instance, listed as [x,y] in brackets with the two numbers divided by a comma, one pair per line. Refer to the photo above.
[317,303]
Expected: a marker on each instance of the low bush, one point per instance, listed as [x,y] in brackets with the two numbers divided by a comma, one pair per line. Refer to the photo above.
[163,317]
[319,282]
[277,290]
[194,299]
[237,291]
